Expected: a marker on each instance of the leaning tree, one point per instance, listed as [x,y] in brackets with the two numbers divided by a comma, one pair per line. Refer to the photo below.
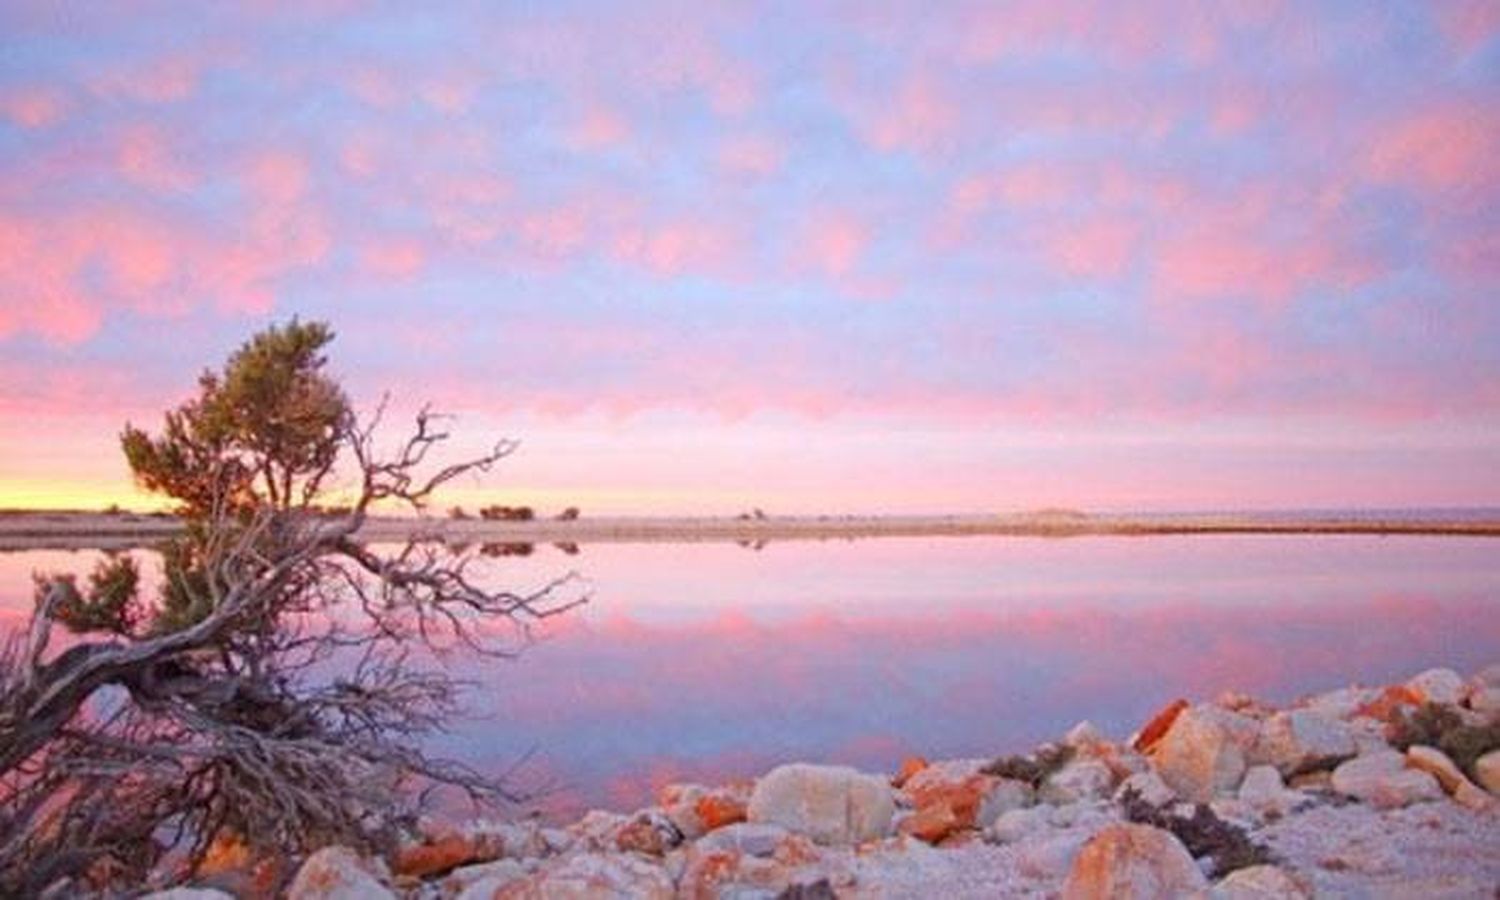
[276,689]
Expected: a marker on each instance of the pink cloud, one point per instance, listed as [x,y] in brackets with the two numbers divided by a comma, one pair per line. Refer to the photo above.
[918,117]
[1469,24]
[679,247]
[400,259]
[146,159]
[1100,249]
[833,244]
[36,107]
[600,128]
[1448,148]
[167,79]
[751,155]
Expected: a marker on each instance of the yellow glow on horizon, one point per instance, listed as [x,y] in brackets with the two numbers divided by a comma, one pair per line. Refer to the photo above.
[76,494]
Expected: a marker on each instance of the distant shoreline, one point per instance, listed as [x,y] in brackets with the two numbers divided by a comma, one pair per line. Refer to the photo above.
[40,530]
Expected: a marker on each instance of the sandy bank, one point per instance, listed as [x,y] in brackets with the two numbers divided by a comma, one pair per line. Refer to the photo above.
[71,530]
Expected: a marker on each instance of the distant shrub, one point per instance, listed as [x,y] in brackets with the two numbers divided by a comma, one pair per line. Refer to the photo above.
[457,512]
[568,514]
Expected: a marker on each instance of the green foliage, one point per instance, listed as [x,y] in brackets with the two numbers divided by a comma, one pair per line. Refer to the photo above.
[263,432]
[111,602]
[1033,768]
[1203,834]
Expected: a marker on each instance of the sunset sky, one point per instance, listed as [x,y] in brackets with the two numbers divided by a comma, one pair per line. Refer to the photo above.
[811,257]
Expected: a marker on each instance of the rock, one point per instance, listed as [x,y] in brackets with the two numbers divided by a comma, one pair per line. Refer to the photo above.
[1390,703]
[830,804]
[1263,791]
[748,838]
[1258,883]
[1158,725]
[1017,824]
[696,809]
[1081,779]
[953,795]
[1198,757]
[1149,787]
[726,874]
[649,832]
[338,873]
[482,881]
[1487,771]
[1443,686]
[1299,739]
[1383,780]
[1485,700]
[1437,764]
[597,830]
[1051,856]
[1082,735]
[1133,861]
[1340,704]
[1083,815]
[909,767]
[189,893]
[594,876]
[493,840]
[436,856]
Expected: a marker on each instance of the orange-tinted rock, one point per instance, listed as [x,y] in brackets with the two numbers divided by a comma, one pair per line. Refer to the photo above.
[652,833]
[932,823]
[436,856]
[909,767]
[960,799]
[1133,862]
[231,861]
[1159,725]
[718,810]
[1392,701]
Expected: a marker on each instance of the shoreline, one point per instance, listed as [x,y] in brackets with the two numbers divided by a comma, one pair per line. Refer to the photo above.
[1386,790]
[39,530]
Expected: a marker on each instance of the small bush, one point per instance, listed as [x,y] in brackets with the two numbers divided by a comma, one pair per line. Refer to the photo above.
[1032,768]
[1203,834]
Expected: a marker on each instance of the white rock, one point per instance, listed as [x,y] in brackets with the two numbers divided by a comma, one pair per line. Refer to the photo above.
[1080,779]
[189,893]
[749,838]
[1133,862]
[1050,856]
[1084,734]
[1149,786]
[1383,780]
[1339,704]
[596,875]
[1438,686]
[830,804]
[1263,791]
[1487,771]
[1003,796]
[1084,815]
[1198,756]
[1018,824]
[338,873]
[481,882]
[1292,740]
[1485,700]
[1258,883]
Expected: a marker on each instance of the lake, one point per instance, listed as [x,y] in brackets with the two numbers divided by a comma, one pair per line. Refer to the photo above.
[716,661]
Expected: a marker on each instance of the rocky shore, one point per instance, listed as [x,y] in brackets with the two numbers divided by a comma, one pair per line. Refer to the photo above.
[1359,792]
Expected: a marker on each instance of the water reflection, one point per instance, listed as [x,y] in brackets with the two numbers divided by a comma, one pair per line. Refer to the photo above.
[704,661]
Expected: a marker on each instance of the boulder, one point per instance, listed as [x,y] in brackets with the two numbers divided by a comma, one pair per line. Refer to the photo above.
[748,838]
[1340,704]
[1299,739]
[1158,725]
[1437,764]
[1126,861]
[480,882]
[909,767]
[1443,686]
[1149,787]
[593,876]
[1263,791]
[696,809]
[1388,704]
[1080,779]
[597,830]
[1383,780]
[650,832]
[1050,856]
[830,804]
[1258,883]
[1485,700]
[954,795]
[1487,771]
[1017,824]
[338,873]
[439,855]
[1198,757]
[189,893]
[1084,735]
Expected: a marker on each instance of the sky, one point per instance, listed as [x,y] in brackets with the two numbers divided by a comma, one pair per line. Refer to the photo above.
[807,257]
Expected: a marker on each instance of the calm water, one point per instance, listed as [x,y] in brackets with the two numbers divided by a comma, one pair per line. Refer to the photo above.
[710,661]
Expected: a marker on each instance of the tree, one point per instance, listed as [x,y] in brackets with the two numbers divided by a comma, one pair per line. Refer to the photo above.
[243,703]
